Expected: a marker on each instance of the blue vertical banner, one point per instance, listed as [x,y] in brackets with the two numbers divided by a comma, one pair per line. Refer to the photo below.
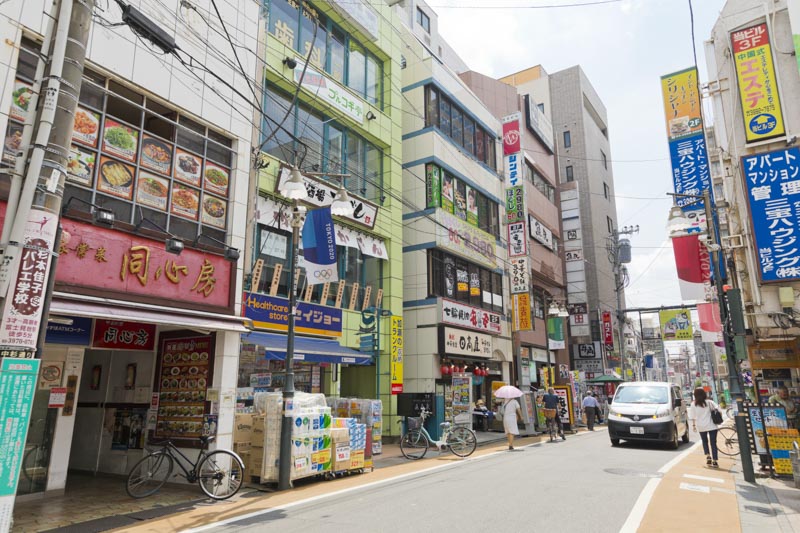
[319,247]
[690,170]
[773,192]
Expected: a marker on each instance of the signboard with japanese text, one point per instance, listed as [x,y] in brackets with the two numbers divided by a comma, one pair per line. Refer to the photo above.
[22,311]
[773,183]
[758,84]
[540,232]
[682,104]
[272,312]
[517,240]
[321,194]
[119,335]
[608,332]
[513,168]
[519,274]
[521,312]
[467,316]
[573,255]
[587,357]
[676,324]
[329,92]
[99,258]
[511,134]
[79,333]
[515,204]
[539,124]
[433,185]
[465,240]
[690,170]
[17,388]
[396,354]
[453,341]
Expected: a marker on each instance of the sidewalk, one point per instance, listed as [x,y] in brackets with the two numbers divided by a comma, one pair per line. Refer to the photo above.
[693,497]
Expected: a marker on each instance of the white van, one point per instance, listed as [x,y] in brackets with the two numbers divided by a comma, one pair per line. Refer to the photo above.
[648,410]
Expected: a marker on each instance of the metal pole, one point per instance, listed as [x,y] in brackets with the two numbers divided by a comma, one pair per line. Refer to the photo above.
[378,353]
[285,460]
[620,313]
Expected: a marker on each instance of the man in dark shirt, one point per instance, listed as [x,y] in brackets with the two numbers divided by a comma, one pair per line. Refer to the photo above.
[552,401]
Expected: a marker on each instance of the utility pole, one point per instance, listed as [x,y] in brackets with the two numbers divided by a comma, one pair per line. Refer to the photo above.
[619,254]
[27,260]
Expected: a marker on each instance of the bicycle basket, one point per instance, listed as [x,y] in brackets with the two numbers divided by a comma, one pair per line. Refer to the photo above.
[549,413]
[413,422]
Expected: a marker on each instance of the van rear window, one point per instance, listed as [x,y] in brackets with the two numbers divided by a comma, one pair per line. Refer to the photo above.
[641,394]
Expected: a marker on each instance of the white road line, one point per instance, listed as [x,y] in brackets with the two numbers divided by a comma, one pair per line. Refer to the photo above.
[705,478]
[695,488]
[634,520]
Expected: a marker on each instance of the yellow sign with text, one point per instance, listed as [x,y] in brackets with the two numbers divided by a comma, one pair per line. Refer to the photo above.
[681,104]
[521,312]
[396,354]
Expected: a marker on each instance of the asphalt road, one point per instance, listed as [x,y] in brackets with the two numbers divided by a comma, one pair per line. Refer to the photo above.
[579,485]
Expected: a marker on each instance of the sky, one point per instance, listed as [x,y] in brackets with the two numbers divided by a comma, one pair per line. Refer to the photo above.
[624,48]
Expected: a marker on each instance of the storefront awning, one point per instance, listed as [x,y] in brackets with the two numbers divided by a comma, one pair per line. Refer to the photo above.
[306,349]
[105,309]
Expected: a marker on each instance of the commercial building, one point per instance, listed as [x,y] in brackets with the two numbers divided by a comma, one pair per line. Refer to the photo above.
[456,295]
[754,87]
[143,337]
[332,106]
[588,206]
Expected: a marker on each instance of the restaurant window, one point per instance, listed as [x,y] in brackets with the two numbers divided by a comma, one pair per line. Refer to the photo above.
[457,279]
[457,132]
[567,139]
[431,106]
[570,173]
[316,50]
[423,20]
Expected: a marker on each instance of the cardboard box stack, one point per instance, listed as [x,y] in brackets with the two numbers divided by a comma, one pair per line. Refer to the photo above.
[242,437]
[340,436]
[369,412]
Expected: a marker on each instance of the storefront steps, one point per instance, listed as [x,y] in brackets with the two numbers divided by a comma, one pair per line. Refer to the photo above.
[100,503]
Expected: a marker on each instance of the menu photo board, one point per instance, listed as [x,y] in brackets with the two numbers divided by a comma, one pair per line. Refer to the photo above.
[215,179]
[184,374]
[156,155]
[214,211]
[80,166]
[20,98]
[187,167]
[185,201]
[120,140]
[86,127]
[12,143]
[152,191]
[116,178]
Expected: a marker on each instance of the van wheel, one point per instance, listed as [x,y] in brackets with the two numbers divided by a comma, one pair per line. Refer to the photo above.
[615,442]
[674,444]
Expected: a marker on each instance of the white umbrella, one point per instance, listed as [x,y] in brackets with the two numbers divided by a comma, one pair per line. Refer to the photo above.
[508,391]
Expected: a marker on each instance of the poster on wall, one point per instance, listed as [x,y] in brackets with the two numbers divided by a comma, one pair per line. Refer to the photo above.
[129,429]
[448,192]
[517,240]
[775,418]
[396,354]
[462,398]
[20,100]
[460,200]
[433,186]
[156,155]
[472,206]
[184,375]
[119,140]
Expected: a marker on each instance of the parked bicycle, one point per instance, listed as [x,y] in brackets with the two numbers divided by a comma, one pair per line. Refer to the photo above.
[416,440]
[219,473]
[728,441]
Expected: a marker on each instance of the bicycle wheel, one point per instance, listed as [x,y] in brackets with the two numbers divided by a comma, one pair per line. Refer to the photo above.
[414,444]
[149,474]
[462,442]
[729,444]
[221,474]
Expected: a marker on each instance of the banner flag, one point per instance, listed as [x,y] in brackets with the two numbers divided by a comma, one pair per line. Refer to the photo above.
[319,247]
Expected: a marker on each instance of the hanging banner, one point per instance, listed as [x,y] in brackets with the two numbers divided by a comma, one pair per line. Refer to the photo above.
[694,267]
[608,331]
[515,204]
[521,312]
[396,354]
[682,104]
[465,240]
[710,322]
[690,169]
[676,324]
[773,181]
[433,185]
[319,247]
[512,142]
[555,333]
[758,85]
[519,274]
[517,240]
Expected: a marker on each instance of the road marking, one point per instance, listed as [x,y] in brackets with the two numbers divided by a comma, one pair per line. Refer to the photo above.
[634,520]
[695,488]
[705,478]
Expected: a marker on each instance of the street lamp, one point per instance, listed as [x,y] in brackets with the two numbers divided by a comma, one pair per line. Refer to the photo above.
[715,246]
[294,189]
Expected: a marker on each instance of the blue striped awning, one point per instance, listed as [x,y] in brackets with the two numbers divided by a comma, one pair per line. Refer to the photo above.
[307,349]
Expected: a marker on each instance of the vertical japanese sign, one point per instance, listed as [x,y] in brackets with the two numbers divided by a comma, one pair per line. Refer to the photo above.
[758,85]
[511,137]
[22,312]
[608,331]
[794,22]
[396,354]
[518,273]
[687,145]
[676,325]
[773,186]
[517,240]
[433,186]
[555,333]
[17,387]
[515,204]
[319,247]
[521,312]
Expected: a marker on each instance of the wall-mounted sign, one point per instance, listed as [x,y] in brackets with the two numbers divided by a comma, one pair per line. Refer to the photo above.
[321,194]
[538,123]
[78,333]
[466,316]
[540,232]
[773,181]
[513,168]
[396,354]
[126,264]
[520,277]
[330,92]
[465,240]
[517,240]
[573,255]
[433,185]
[272,312]
[515,204]
[512,140]
[521,312]
[608,331]
[453,341]
[119,335]
[758,85]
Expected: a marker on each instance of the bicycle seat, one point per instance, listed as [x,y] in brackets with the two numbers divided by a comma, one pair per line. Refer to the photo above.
[445,425]
[205,439]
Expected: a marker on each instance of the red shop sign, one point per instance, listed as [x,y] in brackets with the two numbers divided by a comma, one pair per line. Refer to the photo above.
[119,335]
[512,143]
[608,333]
[115,261]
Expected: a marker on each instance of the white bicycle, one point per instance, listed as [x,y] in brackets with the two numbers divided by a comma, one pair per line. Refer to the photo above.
[416,440]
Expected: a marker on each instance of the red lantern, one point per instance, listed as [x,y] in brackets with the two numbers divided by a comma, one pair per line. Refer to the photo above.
[481,371]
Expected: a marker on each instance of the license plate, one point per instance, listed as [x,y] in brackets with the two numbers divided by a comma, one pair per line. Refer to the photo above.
[635,430]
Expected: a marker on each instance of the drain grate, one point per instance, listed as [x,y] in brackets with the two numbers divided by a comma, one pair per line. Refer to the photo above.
[631,472]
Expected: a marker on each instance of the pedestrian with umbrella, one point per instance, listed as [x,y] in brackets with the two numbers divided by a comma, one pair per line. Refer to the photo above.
[510,410]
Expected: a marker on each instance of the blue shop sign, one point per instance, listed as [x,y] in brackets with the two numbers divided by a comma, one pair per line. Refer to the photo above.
[78,333]
[690,171]
[773,192]
[271,312]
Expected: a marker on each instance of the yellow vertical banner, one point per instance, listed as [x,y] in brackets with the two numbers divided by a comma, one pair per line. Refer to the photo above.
[521,312]
[758,84]
[681,104]
[396,354]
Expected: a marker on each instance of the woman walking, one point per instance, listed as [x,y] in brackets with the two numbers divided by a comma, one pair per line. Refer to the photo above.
[700,415]
[510,411]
